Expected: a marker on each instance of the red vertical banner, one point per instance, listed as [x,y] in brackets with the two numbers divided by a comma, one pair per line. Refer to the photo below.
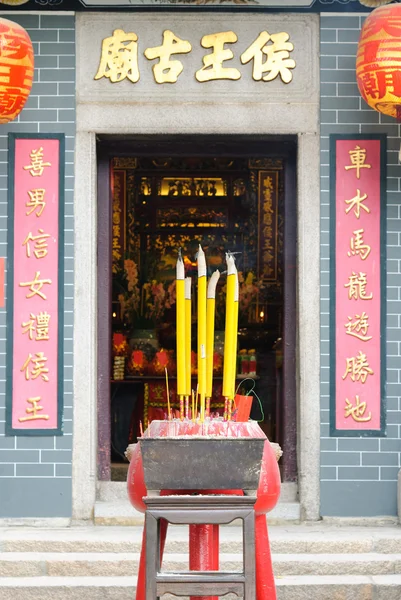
[358,285]
[35,285]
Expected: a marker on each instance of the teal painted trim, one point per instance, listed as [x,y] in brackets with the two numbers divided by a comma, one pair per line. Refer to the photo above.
[383,283]
[9,430]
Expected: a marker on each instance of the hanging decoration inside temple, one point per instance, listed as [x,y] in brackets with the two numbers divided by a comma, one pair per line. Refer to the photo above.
[16,68]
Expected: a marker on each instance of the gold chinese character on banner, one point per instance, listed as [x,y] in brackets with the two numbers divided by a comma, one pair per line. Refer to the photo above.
[358,246]
[357,204]
[119,58]
[357,287]
[357,367]
[357,157]
[33,411]
[359,327]
[37,165]
[213,62]
[37,202]
[167,70]
[356,411]
[38,324]
[38,368]
[271,58]
[36,285]
[40,244]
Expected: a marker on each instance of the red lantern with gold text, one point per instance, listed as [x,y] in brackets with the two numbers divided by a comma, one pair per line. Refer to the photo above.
[378,62]
[16,69]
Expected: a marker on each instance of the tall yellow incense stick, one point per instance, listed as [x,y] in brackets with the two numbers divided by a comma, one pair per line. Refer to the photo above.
[210,318]
[202,284]
[235,325]
[180,312]
[230,334]
[188,327]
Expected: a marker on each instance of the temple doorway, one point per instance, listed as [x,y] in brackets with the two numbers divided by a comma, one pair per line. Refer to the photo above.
[156,196]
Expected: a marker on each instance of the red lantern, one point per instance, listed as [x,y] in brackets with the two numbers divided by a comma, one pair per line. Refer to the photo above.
[378,63]
[16,69]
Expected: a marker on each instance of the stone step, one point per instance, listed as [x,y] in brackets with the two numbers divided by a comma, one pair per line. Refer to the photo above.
[121,513]
[292,539]
[310,587]
[26,564]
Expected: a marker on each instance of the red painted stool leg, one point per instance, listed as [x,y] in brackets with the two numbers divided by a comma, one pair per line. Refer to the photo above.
[216,548]
[140,586]
[201,552]
[265,586]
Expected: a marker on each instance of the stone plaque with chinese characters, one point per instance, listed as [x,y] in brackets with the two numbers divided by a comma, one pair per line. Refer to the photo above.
[132,58]
[358,285]
[35,285]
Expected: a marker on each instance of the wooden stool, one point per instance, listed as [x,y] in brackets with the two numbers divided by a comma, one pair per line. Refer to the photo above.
[199,510]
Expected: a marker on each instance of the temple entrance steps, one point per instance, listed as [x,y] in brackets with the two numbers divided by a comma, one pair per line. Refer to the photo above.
[311,562]
[113,508]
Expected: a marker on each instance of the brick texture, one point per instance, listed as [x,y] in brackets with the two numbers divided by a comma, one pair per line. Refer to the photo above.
[368,466]
[50,108]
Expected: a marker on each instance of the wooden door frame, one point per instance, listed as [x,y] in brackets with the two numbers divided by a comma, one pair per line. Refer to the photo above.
[263,146]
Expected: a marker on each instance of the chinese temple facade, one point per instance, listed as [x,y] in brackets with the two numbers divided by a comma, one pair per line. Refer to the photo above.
[157,125]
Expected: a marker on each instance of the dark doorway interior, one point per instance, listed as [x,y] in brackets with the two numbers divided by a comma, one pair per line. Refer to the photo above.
[156,195]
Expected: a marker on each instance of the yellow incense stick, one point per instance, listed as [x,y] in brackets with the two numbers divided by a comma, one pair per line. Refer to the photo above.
[193,405]
[168,394]
[180,329]
[188,323]
[210,318]
[202,292]
[230,334]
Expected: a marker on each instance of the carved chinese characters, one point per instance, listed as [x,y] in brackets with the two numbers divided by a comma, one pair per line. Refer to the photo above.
[269,55]
[357,302]
[35,275]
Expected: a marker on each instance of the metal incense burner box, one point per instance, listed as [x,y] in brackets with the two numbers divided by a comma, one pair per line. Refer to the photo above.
[230,458]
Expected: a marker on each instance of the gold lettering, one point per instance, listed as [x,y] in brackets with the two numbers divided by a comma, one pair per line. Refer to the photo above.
[357,157]
[40,244]
[275,49]
[167,70]
[357,287]
[358,246]
[37,201]
[119,58]
[38,367]
[356,411]
[213,62]
[356,203]
[357,367]
[36,285]
[37,165]
[358,328]
[38,324]
[33,410]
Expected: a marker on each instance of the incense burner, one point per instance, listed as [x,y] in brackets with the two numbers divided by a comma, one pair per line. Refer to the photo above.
[192,456]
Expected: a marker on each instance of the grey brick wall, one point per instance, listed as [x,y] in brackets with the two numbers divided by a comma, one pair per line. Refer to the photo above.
[35,472]
[358,475]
